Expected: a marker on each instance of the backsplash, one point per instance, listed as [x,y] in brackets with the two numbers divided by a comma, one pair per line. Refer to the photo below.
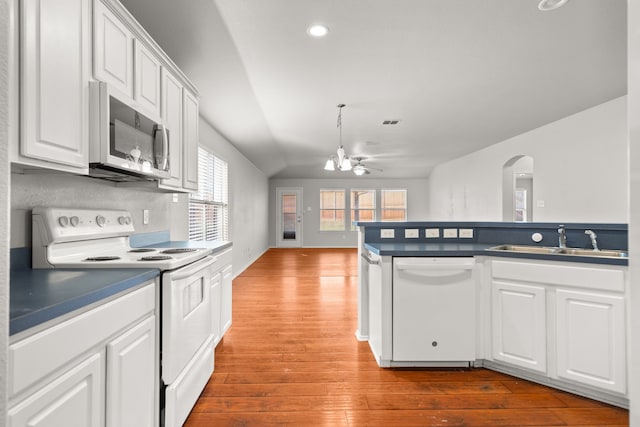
[62,190]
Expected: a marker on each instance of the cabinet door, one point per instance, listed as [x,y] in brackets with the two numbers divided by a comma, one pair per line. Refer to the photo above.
[227,299]
[131,377]
[519,325]
[147,79]
[591,339]
[190,141]
[76,398]
[216,307]
[113,50]
[172,117]
[56,58]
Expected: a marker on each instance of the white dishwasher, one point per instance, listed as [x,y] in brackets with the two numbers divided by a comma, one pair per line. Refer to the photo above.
[434,311]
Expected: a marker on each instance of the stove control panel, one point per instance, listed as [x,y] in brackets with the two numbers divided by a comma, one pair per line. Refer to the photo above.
[55,225]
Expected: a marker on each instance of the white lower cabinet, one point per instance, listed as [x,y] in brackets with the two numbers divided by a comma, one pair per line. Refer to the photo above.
[75,398]
[565,321]
[216,304]
[591,339]
[94,369]
[130,377]
[221,294]
[226,298]
[519,325]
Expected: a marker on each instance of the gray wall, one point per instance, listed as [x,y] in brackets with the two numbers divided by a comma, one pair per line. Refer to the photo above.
[248,201]
[311,234]
[580,171]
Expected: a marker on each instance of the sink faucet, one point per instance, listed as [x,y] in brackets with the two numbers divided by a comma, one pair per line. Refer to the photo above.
[593,237]
[562,237]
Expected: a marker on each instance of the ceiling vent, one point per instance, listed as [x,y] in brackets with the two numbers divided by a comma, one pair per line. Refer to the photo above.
[391,122]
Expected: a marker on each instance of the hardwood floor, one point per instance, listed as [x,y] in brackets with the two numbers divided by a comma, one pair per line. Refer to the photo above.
[291,358]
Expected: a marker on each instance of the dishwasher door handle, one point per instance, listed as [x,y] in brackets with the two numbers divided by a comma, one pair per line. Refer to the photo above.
[370,261]
[434,267]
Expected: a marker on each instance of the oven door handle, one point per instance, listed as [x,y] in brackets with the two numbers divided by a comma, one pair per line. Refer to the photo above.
[193,268]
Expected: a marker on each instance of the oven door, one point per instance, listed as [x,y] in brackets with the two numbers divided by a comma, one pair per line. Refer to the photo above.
[186,315]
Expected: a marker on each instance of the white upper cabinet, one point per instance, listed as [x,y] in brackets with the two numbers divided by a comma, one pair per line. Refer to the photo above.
[172,117]
[113,50]
[54,84]
[147,79]
[190,141]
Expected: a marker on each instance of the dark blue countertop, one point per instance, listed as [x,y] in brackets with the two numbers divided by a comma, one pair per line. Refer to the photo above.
[39,295]
[476,249]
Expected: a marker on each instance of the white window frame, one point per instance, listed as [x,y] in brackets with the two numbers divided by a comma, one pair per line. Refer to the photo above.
[209,206]
[335,210]
[383,208]
[353,209]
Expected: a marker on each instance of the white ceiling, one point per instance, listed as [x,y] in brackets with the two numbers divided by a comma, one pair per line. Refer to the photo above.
[459,75]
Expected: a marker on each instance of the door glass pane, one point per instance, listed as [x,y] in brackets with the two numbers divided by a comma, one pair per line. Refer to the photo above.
[288,216]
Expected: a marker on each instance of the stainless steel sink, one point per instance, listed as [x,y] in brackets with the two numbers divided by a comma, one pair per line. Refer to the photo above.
[605,253]
[527,249]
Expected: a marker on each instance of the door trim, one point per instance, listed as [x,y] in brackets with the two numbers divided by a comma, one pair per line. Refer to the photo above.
[297,242]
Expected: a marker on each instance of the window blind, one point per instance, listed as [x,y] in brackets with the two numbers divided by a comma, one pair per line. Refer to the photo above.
[208,207]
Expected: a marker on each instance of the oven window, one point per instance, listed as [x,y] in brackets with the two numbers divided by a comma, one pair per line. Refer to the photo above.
[208,208]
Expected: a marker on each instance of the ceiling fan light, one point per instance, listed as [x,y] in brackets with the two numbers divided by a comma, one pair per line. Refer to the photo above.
[345,165]
[359,170]
[330,165]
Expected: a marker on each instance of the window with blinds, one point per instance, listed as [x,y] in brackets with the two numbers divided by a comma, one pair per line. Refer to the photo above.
[208,207]
[363,206]
[394,205]
[332,206]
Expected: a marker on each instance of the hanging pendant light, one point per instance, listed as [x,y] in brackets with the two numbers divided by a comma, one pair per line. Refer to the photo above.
[340,161]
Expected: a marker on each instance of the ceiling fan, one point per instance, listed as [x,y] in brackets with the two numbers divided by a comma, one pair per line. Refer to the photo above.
[360,169]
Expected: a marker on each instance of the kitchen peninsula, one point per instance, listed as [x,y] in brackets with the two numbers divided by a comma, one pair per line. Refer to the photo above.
[542,301]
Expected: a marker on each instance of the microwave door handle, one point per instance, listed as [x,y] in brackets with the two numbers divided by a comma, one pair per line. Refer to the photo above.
[164,165]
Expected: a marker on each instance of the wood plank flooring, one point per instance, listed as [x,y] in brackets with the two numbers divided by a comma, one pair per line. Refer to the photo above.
[291,358]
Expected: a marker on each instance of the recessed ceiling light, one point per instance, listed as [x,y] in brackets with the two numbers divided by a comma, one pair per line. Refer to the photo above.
[318,30]
[547,5]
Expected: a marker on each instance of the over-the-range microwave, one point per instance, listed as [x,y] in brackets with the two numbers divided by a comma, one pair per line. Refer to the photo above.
[125,143]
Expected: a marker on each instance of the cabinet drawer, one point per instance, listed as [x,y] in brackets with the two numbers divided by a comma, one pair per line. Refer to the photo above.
[39,355]
[591,277]
[222,259]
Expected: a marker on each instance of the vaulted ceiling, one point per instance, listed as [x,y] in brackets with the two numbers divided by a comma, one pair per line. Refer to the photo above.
[458,75]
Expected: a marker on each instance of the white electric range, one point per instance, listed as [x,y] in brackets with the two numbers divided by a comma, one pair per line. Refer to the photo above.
[99,238]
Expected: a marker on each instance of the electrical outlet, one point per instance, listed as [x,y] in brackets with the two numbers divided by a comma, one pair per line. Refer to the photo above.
[175,197]
[466,233]
[145,216]
[411,233]
[432,233]
[450,233]
[387,233]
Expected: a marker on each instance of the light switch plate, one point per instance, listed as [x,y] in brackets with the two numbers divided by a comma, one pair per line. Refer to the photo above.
[387,233]
[145,216]
[411,233]
[432,233]
[450,233]
[466,233]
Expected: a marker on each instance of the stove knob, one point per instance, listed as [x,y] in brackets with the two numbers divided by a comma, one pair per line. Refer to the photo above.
[63,221]
[74,221]
[101,221]
[122,220]
[127,220]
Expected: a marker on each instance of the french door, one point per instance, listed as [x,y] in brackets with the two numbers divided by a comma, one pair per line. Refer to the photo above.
[289,217]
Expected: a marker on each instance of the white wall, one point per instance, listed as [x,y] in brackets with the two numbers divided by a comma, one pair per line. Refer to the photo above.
[311,234]
[580,172]
[4,208]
